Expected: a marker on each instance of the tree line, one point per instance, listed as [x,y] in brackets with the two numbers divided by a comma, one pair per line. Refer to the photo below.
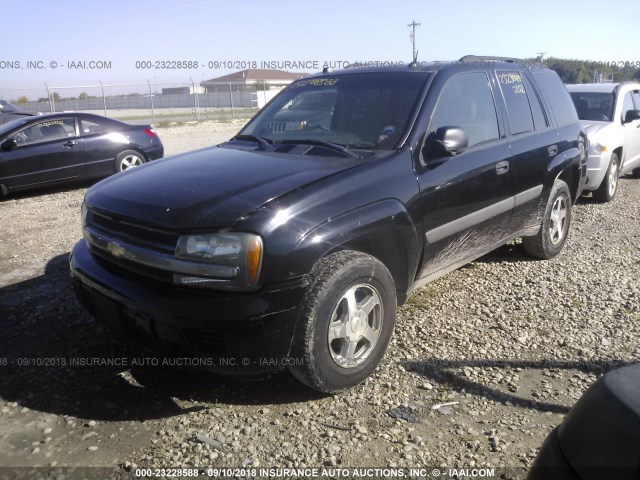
[585,71]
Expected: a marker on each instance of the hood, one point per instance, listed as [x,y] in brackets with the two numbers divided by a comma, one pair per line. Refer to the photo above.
[593,127]
[208,188]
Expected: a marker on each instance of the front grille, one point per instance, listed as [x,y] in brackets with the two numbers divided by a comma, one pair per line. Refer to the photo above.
[155,239]
[124,267]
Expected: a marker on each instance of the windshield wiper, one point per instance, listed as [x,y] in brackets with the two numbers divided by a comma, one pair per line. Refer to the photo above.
[320,143]
[263,142]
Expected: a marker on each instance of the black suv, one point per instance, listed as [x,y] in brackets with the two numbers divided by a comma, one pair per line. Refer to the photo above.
[292,244]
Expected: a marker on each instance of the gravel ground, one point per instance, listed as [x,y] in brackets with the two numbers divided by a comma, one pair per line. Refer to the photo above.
[514,356]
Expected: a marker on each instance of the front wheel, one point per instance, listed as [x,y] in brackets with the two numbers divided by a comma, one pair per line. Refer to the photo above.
[128,159]
[345,322]
[609,186]
[548,242]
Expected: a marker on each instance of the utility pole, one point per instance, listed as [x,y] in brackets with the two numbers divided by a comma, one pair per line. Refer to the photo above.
[413,26]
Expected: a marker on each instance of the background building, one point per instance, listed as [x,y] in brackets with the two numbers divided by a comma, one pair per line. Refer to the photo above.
[252,79]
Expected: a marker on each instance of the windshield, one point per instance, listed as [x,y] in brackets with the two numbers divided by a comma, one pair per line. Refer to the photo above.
[594,105]
[358,110]
[6,107]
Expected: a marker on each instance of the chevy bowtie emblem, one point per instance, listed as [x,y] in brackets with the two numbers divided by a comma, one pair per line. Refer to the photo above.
[115,249]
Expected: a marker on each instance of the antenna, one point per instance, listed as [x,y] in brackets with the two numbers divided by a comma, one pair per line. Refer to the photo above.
[412,36]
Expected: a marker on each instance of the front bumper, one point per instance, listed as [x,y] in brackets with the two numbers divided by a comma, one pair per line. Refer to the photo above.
[226,332]
[597,166]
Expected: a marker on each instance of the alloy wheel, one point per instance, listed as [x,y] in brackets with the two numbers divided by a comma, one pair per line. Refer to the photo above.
[355,326]
[558,224]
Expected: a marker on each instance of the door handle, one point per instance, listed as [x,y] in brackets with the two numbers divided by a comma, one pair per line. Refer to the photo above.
[502,167]
[553,150]
[70,143]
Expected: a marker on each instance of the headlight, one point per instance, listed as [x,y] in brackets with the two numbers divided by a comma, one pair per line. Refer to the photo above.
[238,257]
[598,147]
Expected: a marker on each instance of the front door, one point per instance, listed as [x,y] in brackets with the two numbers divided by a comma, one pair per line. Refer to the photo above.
[46,151]
[631,132]
[466,199]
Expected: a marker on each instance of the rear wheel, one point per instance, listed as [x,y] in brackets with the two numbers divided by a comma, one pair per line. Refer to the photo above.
[128,159]
[636,172]
[548,242]
[609,186]
[345,322]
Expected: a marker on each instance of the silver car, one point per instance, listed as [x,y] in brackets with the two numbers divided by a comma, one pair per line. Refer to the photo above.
[610,115]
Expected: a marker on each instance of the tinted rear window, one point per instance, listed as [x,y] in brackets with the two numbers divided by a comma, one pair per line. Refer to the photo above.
[559,99]
[515,96]
[539,117]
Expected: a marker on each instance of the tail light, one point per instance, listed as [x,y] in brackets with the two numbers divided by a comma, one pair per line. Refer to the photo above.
[151,132]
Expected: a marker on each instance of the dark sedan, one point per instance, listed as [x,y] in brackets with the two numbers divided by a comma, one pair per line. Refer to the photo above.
[61,147]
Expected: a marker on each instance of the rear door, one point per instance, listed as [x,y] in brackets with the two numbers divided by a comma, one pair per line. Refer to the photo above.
[533,143]
[47,151]
[466,199]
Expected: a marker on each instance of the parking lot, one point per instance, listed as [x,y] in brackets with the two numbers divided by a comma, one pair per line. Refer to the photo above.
[513,356]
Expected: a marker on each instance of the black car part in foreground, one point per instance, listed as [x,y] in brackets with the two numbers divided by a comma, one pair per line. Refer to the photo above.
[599,438]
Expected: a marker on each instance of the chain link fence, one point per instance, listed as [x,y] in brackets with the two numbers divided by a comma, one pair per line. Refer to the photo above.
[148,102]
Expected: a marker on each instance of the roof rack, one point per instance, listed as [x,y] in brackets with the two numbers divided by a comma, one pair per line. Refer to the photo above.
[483,58]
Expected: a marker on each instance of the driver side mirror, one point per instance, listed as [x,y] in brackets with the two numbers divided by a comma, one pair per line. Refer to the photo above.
[7,145]
[631,115]
[445,142]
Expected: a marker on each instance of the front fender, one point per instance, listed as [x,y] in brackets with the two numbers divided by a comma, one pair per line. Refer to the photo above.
[383,229]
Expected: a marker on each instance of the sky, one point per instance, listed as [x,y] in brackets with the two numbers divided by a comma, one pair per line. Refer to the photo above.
[57,37]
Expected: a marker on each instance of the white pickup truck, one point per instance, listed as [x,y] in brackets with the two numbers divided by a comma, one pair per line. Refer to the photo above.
[610,115]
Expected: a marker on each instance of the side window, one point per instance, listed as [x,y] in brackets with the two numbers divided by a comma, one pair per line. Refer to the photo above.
[466,101]
[627,104]
[636,99]
[88,127]
[515,97]
[539,118]
[46,131]
[556,93]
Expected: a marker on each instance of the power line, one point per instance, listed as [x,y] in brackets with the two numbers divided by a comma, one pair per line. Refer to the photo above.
[412,36]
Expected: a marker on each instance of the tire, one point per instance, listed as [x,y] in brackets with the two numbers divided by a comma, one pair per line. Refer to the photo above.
[636,172]
[332,349]
[548,242]
[609,186]
[128,159]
